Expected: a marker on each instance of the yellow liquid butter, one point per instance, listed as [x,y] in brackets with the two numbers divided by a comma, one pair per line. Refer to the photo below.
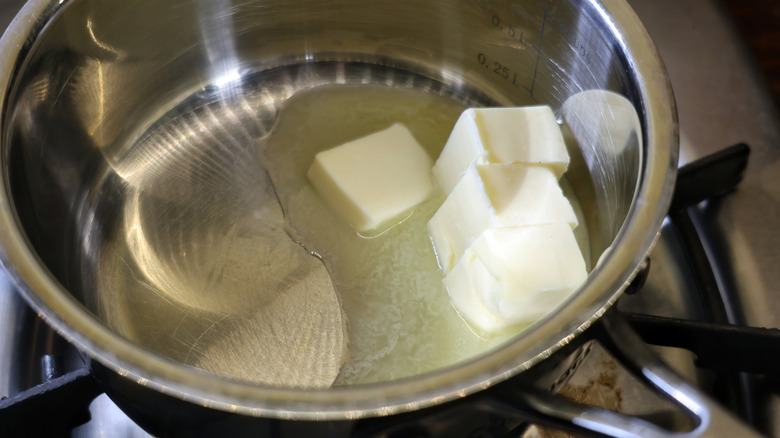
[400,318]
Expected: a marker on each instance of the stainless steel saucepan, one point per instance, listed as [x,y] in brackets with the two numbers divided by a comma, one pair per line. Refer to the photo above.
[132,209]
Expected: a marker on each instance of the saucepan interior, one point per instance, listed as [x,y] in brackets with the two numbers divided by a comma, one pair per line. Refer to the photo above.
[146,145]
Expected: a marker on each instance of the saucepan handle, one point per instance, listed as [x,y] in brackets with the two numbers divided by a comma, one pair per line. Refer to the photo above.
[617,336]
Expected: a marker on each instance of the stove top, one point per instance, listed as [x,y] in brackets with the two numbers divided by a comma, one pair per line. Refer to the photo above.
[722,100]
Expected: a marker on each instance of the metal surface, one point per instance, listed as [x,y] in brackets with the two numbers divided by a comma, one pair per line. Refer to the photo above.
[133,144]
[722,100]
[709,418]
[13,310]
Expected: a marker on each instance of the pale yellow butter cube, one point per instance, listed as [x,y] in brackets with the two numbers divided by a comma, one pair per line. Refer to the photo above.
[496,196]
[465,285]
[501,135]
[373,179]
[517,274]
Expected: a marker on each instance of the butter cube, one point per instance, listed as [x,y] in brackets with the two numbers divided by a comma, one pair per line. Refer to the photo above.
[466,285]
[496,196]
[501,135]
[516,275]
[373,179]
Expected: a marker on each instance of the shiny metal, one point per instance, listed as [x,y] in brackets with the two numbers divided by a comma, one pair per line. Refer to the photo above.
[137,120]
[106,417]
[709,419]
[14,316]
[723,98]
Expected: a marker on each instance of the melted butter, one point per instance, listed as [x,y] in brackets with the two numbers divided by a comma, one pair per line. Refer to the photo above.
[400,319]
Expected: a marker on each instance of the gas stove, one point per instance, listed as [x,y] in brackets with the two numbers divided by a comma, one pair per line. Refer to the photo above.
[722,101]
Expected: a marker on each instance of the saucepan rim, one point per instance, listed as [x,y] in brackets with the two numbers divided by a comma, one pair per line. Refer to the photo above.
[605,284]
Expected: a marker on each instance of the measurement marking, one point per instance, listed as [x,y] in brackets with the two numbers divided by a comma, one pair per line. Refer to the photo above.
[538,55]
